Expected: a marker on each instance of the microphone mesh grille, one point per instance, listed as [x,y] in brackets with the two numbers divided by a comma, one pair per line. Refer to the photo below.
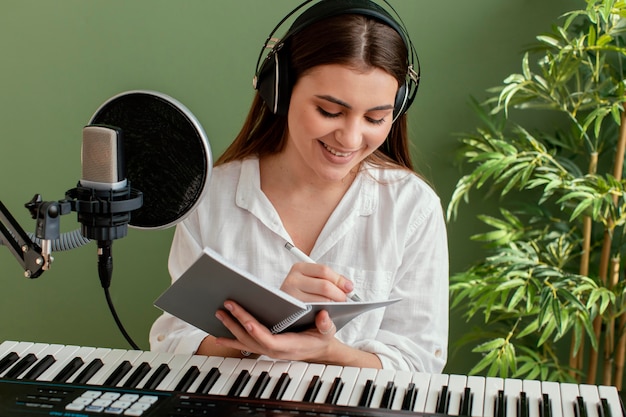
[100,152]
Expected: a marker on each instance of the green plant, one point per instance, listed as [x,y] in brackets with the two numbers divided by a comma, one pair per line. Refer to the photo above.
[553,269]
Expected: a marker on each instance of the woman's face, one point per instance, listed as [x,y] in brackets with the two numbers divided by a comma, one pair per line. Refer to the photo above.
[337,117]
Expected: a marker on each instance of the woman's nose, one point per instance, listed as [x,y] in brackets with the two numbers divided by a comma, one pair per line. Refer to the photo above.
[350,134]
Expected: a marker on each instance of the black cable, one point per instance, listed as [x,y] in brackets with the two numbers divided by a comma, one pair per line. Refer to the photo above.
[105,272]
[117,320]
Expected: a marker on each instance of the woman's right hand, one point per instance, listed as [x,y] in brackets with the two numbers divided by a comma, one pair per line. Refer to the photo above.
[311,282]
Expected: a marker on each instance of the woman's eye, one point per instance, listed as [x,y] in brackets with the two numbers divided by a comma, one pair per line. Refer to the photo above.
[327,114]
[376,121]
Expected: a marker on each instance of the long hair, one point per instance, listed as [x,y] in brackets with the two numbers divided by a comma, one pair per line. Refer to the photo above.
[352,40]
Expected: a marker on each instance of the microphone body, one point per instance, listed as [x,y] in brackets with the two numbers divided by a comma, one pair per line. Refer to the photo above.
[103,197]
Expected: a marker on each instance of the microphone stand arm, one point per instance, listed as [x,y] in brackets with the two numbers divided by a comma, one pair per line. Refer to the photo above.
[33,258]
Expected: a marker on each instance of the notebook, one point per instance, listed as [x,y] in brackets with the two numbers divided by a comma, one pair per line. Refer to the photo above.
[211,280]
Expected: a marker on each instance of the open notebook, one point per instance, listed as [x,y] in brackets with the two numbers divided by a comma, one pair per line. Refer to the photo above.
[211,280]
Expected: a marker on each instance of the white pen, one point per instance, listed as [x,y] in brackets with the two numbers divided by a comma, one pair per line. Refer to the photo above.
[303,257]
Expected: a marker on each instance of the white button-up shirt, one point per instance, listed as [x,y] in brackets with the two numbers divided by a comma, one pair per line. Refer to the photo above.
[387,235]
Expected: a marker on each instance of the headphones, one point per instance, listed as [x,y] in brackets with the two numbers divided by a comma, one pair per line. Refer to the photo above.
[272,76]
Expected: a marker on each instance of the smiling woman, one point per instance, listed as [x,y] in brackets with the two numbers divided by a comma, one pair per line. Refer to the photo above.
[322,162]
[337,117]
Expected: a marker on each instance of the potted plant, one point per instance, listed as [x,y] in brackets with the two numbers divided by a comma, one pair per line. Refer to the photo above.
[552,278]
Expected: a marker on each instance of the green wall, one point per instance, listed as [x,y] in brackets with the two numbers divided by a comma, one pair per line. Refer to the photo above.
[60,60]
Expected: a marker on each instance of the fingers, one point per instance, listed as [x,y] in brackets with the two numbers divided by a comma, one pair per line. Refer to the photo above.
[316,282]
[324,324]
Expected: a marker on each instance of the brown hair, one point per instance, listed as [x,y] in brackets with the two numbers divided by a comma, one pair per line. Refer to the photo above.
[352,40]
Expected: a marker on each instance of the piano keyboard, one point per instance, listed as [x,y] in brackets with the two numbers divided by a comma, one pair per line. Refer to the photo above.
[137,373]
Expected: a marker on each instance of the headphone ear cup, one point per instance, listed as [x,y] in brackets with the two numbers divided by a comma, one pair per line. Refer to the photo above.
[274,81]
[402,101]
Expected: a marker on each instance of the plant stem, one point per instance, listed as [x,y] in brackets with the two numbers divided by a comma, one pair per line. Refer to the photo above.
[575,357]
[609,346]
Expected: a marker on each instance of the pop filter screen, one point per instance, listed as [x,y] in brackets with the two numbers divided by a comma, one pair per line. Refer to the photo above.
[167,153]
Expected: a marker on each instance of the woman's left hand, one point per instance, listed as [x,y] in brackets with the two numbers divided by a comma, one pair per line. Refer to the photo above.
[251,336]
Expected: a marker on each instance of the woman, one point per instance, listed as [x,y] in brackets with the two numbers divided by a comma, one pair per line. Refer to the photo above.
[334,178]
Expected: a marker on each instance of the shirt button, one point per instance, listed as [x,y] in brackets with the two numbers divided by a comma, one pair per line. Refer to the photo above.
[160,337]
[438,353]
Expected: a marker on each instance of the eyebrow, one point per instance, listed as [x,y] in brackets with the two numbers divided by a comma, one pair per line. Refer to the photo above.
[346,105]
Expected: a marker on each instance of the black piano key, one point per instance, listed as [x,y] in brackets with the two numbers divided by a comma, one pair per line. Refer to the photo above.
[89,371]
[366,395]
[68,370]
[335,391]
[522,405]
[187,379]
[138,374]
[545,406]
[259,385]
[119,373]
[410,396]
[579,407]
[500,404]
[281,387]
[239,384]
[157,377]
[467,400]
[40,367]
[312,389]
[603,408]
[21,366]
[8,360]
[443,400]
[208,381]
[388,395]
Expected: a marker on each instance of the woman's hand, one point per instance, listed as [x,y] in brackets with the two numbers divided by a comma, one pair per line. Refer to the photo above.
[315,282]
[311,345]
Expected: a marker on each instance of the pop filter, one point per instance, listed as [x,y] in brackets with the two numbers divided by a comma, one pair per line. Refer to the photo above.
[167,153]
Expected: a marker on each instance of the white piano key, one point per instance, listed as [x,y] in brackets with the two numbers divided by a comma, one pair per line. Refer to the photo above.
[179,369]
[260,366]
[154,359]
[175,363]
[296,371]
[569,392]
[136,358]
[476,384]
[24,350]
[349,377]
[422,384]
[314,369]
[8,346]
[245,364]
[210,363]
[512,390]
[402,379]
[63,357]
[365,375]
[111,362]
[456,388]
[327,378]
[532,388]
[437,382]
[590,395]
[96,353]
[492,386]
[612,396]
[278,368]
[383,376]
[226,368]
[552,389]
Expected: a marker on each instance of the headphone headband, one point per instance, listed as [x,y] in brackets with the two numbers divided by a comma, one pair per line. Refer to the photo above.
[272,74]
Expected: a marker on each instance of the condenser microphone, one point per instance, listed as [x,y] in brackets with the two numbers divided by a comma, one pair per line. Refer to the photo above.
[103,198]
